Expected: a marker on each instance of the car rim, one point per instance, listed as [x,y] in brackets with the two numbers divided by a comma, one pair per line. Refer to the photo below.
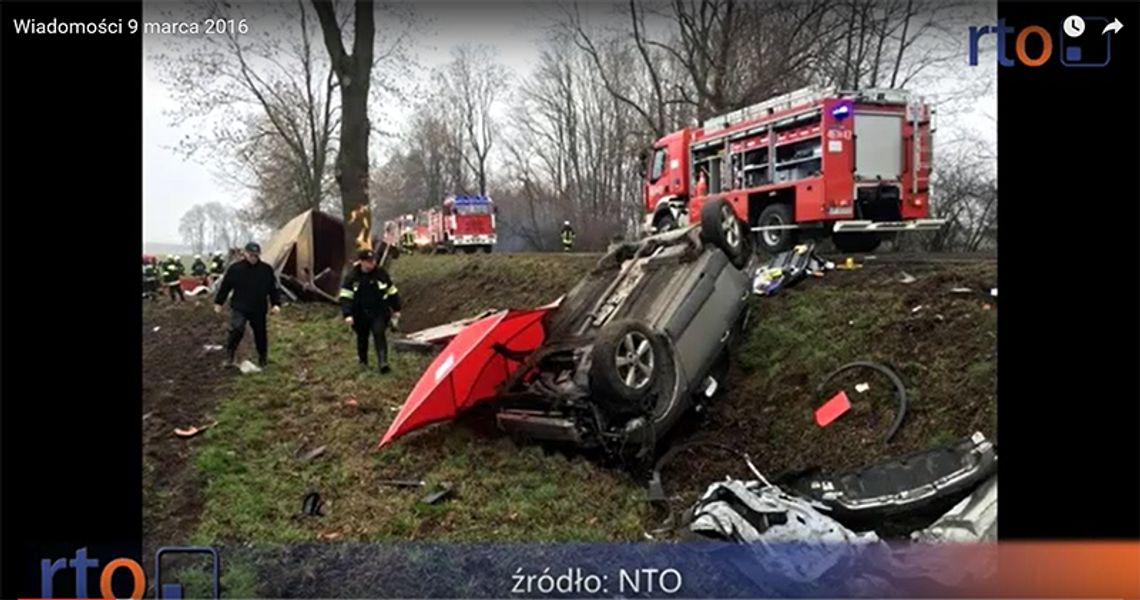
[728,224]
[772,236]
[634,360]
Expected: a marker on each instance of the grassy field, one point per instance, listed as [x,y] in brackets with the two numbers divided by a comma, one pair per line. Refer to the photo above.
[253,477]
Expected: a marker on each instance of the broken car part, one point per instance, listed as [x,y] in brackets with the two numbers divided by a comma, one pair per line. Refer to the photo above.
[974,519]
[312,505]
[915,483]
[900,390]
[403,482]
[443,492]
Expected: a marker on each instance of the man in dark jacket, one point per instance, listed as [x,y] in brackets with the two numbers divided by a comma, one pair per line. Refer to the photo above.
[252,282]
[199,269]
[370,302]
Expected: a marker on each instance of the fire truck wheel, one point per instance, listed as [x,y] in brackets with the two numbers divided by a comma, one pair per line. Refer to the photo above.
[469,249]
[624,366]
[487,249]
[720,227]
[857,242]
[776,240]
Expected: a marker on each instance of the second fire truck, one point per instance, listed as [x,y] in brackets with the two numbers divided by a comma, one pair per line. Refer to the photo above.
[464,223]
[851,165]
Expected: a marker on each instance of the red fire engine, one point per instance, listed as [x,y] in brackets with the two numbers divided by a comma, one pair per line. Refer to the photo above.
[464,222]
[853,165]
[469,223]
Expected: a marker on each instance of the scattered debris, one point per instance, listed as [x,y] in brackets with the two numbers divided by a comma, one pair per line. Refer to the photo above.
[907,278]
[862,387]
[147,415]
[832,409]
[974,519]
[188,432]
[789,534]
[403,482]
[986,306]
[910,484]
[900,390]
[312,505]
[916,309]
[311,454]
[156,328]
[246,367]
[213,348]
[433,339]
[328,535]
[789,268]
[441,493]
[351,402]
[961,290]
[849,265]
[993,292]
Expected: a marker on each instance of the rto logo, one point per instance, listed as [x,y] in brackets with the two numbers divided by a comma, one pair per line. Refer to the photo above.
[1083,42]
[135,575]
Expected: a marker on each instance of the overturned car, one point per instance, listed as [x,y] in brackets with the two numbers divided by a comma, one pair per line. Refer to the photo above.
[637,343]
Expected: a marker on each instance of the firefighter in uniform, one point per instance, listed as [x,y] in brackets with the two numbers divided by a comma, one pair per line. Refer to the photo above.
[172,271]
[217,266]
[409,239]
[370,303]
[150,278]
[567,236]
[252,282]
[199,270]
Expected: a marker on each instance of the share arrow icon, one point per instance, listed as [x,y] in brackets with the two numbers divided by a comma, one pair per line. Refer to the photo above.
[1114,26]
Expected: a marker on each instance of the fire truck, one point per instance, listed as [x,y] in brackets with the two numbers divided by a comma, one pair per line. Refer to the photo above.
[853,165]
[463,223]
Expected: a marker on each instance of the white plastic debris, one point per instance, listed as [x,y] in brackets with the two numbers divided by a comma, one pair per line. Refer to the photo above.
[248,367]
[961,290]
[212,347]
[916,309]
[907,278]
[156,328]
[993,292]
[862,387]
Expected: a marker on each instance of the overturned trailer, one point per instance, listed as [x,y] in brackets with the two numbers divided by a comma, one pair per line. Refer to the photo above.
[307,254]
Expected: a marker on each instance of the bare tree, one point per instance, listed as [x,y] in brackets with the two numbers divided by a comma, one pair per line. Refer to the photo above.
[474,82]
[192,227]
[261,94]
[353,72]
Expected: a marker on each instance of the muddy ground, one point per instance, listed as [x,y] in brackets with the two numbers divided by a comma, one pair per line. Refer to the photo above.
[181,385]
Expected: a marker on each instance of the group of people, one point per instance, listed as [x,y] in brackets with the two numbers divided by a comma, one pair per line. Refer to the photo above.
[170,271]
[369,303]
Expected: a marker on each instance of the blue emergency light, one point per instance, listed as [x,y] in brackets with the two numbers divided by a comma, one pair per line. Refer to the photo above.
[841,111]
[471,200]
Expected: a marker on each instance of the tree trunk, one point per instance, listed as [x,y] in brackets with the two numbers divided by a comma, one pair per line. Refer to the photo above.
[353,73]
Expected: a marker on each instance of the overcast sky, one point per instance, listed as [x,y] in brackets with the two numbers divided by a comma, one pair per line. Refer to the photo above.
[172,184]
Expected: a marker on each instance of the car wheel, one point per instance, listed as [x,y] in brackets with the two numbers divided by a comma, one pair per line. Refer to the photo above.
[625,364]
[720,227]
[776,240]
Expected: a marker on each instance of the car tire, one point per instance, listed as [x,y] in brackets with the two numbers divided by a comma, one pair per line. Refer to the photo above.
[665,222]
[625,364]
[856,242]
[720,227]
[774,242]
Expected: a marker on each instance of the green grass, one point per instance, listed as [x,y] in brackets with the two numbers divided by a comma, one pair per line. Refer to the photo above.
[256,483]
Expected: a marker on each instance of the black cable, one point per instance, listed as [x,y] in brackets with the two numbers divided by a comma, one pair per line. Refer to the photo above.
[900,389]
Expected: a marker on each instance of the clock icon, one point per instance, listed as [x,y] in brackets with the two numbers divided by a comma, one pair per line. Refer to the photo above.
[1074,26]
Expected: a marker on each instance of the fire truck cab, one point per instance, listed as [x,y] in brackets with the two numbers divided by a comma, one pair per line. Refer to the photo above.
[852,165]
[469,223]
